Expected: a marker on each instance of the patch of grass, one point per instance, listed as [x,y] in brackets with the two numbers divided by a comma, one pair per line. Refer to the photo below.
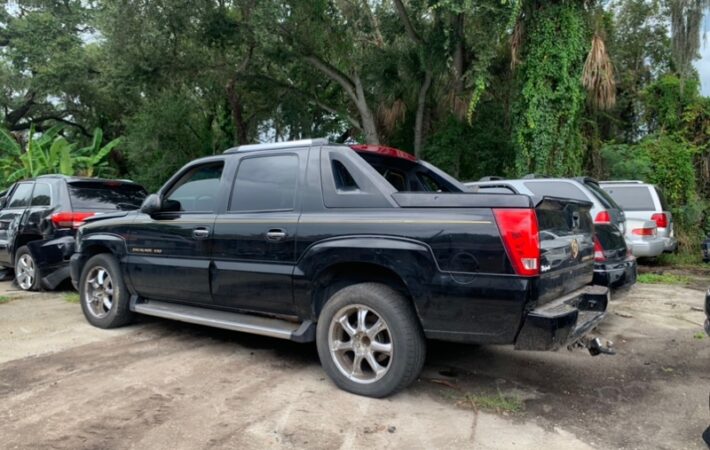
[71,297]
[683,259]
[4,299]
[699,335]
[665,278]
[499,403]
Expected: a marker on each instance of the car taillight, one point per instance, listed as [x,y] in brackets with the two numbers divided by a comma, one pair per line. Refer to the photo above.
[70,219]
[603,217]
[598,251]
[661,220]
[519,231]
[644,231]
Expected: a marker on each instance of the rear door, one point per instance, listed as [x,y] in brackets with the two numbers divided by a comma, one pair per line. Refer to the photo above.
[566,246]
[169,252]
[255,239]
[11,219]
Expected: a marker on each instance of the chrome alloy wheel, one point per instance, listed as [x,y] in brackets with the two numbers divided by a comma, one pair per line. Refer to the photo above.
[25,272]
[98,292]
[360,344]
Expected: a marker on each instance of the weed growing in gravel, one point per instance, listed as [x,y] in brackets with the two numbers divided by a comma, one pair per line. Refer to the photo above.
[499,403]
[71,297]
[699,335]
[4,299]
[655,278]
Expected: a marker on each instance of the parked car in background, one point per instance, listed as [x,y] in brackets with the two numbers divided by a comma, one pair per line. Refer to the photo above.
[604,208]
[614,265]
[644,201]
[643,239]
[38,220]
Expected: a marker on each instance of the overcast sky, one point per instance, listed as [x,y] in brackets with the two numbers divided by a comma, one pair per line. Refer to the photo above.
[703,64]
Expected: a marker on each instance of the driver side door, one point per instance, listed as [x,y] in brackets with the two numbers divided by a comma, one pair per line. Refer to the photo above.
[169,252]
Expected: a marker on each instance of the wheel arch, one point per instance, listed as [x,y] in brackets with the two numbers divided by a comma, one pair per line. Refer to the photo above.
[336,263]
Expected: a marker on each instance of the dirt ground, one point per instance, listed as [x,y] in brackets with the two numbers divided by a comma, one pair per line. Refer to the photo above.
[166,385]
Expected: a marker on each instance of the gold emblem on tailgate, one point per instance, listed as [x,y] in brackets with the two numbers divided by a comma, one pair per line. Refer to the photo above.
[574,248]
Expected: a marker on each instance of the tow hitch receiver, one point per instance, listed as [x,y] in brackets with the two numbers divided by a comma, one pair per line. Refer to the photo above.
[595,346]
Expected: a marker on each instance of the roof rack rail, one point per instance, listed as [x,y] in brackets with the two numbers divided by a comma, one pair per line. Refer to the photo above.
[491,178]
[279,145]
[621,182]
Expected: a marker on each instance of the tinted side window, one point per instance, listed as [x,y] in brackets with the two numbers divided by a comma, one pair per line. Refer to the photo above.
[42,195]
[556,189]
[21,197]
[632,198]
[197,190]
[602,195]
[265,183]
[343,180]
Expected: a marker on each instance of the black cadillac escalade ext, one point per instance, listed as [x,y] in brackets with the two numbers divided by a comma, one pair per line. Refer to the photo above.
[362,249]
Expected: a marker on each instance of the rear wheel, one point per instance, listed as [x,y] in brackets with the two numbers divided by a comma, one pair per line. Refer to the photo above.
[369,340]
[27,274]
[104,297]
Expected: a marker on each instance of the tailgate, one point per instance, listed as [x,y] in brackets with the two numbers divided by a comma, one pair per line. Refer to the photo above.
[566,247]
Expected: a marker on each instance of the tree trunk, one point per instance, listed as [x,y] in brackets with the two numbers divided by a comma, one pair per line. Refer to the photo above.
[367,118]
[241,128]
[421,109]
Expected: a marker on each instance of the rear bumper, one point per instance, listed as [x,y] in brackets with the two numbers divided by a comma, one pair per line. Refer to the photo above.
[616,275]
[52,258]
[564,321]
[671,244]
[648,248]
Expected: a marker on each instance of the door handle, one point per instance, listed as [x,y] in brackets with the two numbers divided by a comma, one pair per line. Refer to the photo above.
[275,235]
[201,233]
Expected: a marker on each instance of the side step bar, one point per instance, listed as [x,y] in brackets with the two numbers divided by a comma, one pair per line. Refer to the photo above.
[247,323]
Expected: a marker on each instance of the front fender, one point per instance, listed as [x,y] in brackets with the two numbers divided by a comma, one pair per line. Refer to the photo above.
[411,260]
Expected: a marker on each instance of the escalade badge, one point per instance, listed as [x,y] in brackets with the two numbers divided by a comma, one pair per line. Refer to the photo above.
[574,246]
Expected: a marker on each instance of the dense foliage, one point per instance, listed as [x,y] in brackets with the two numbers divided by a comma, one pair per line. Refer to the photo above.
[479,87]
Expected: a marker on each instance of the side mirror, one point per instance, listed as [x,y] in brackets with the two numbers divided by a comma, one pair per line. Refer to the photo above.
[151,205]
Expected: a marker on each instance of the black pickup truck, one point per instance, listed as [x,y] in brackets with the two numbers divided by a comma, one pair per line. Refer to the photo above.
[363,249]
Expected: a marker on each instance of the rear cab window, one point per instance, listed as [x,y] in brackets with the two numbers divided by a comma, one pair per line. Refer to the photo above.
[105,195]
[407,175]
[632,198]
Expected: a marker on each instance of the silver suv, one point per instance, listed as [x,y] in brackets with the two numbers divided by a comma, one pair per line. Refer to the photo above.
[643,201]
[604,209]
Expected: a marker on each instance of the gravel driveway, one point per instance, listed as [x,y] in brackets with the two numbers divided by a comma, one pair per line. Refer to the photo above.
[166,385]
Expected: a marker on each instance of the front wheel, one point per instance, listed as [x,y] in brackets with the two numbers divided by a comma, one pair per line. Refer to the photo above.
[27,273]
[103,294]
[369,340]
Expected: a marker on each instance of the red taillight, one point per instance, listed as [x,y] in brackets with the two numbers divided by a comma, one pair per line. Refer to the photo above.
[598,251]
[603,217]
[518,228]
[644,231]
[661,220]
[70,219]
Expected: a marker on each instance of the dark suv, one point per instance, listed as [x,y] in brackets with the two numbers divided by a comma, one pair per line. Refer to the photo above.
[38,220]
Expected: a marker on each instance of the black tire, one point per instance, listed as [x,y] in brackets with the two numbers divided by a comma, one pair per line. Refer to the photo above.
[404,333]
[23,254]
[118,314]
